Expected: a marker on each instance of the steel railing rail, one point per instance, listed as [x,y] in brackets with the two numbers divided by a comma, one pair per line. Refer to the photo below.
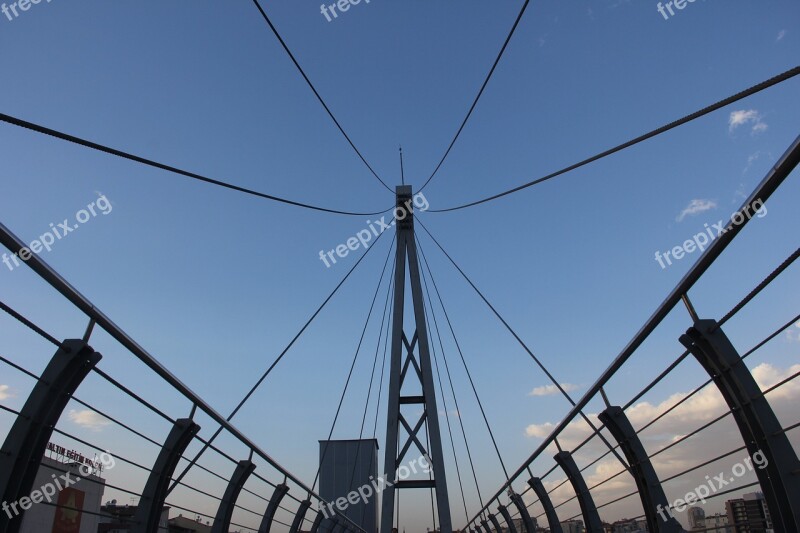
[55,280]
[774,178]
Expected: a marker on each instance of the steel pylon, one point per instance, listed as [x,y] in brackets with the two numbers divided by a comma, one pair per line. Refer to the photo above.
[411,362]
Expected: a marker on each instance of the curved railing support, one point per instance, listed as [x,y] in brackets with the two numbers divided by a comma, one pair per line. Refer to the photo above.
[591,518]
[222,521]
[761,431]
[27,441]
[549,511]
[151,504]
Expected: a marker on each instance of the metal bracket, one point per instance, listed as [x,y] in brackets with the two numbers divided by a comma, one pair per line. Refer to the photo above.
[650,490]
[151,504]
[503,510]
[495,523]
[519,503]
[317,521]
[590,516]
[761,431]
[338,525]
[552,518]
[297,523]
[266,523]
[26,443]
[222,521]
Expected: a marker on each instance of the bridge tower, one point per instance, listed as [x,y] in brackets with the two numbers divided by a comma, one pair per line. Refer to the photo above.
[411,364]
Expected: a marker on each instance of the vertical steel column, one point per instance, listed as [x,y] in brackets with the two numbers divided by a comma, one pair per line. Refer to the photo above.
[527,522]
[552,518]
[654,501]
[297,523]
[590,516]
[266,523]
[507,517]
[222,520]
[151,504]
[761,431]
[27,440]
[407,251]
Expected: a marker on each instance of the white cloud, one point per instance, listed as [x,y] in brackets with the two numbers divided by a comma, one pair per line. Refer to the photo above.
[696,206]
[700,408]
[793,334]
[781,35]
[5,392]
[88,419]
[548,390]
[715,440]
[539,431]
[752,158]
[745,117]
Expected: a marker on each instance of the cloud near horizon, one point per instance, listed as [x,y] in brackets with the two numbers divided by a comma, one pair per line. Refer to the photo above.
[88,419]
[701,408]
[549,390]
[5,392]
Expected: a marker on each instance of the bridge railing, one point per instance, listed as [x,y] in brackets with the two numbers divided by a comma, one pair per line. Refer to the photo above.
[764,449]
[222,478]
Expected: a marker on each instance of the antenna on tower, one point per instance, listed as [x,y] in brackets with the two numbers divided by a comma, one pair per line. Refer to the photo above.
[402,175]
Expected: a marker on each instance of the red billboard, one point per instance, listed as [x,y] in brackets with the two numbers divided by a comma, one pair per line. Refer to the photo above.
[68,512]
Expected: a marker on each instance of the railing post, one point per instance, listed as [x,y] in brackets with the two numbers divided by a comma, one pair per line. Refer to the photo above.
[507,517]
[495,523]
[151,504]
[590,516]
[317,521]
[27,440]
[277,495]
[654,501]
[297,523]
[222,521]
[761,431]
[552,518]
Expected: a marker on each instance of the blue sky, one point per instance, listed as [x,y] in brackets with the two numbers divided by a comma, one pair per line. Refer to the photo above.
[215,283]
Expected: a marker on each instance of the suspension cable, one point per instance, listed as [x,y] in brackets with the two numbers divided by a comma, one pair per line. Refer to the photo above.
[469,374]
[175,170]
[316,93]
[663,129]
[274,363]
[383,321]
[441,388]
[480,92]
[525,347]
[353,365]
